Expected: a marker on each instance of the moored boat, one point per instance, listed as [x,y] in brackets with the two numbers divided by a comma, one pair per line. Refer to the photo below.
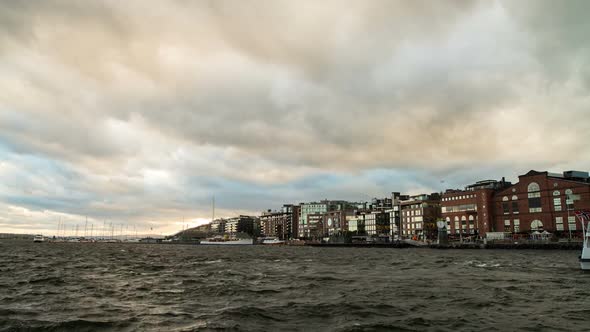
[584,217]
[272,241]
[227,241]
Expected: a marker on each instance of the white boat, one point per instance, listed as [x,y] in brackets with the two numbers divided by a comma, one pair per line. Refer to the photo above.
[226,242]
[39,238]
[585,257]
[272,241]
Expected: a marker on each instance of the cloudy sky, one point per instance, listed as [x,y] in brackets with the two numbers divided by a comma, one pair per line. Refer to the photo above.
[137,113]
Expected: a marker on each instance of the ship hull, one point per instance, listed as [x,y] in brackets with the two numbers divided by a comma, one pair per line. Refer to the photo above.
[245,242]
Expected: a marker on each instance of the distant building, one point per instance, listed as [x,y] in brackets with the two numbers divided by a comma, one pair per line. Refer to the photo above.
[419,216]
[311,217]
[395,212]
[377,224]
[281,224]
[243,224]
[218,226]
[381,204]
[542,201]
[356,224]
[336,222]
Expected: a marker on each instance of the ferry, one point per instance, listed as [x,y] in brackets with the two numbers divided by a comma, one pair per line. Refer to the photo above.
[39,238]
[585,257]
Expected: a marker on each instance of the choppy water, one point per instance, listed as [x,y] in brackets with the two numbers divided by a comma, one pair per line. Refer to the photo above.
[80,286]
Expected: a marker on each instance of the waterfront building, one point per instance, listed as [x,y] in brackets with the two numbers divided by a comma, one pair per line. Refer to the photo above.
[336,222]
[395,213]
[356,224]
[377,224]
[470,212]
[391,205]
[542,201]
[419,215]
[381,204]
[218,226]
[281,224]
[243,224]
[311,216]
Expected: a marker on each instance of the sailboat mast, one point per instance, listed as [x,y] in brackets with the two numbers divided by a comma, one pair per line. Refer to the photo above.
[213,208]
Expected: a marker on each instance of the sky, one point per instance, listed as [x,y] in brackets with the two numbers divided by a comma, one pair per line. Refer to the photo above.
[137,113]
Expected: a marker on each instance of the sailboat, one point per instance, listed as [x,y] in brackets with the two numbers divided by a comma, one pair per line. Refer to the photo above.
[584,216]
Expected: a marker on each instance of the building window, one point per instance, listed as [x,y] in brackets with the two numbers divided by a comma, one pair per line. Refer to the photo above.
[533,187]
[505,205]
[516,225]
[515,207]
[534,195]
[559,223]
[556,193]
[507,225]
[569,201]
[557,204]
[536,225]
[571,223]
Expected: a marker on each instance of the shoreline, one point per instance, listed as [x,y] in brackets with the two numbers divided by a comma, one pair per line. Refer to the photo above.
[393,245]
[503,246]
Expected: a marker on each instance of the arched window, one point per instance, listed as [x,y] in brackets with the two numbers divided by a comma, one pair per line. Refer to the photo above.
[505,206]
[556,193]
[471,217]
[534,197]
[463,218]
[568,192]
[448,219]
[515,209]
[536,225]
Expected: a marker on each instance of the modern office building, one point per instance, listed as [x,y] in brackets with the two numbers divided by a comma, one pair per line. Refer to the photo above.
[377,224]
[218,226]
[243,224]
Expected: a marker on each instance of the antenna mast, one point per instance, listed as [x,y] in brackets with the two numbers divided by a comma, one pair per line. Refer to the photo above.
[213,204]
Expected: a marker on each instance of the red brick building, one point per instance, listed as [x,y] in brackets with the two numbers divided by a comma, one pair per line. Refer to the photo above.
[336,222]
[542,201]
[470,212]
